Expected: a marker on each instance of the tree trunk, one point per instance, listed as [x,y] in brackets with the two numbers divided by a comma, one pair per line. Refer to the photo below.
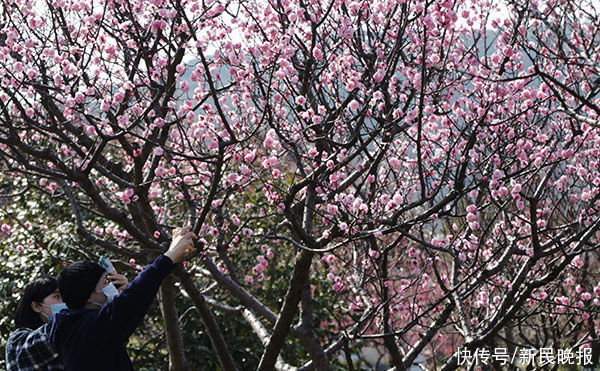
[309,337]
[214,333]
[173,333]
[288,310]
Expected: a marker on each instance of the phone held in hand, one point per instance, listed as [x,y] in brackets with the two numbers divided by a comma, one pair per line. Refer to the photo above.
[107,265]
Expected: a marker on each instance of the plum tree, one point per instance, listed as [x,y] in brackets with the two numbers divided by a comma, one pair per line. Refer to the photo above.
[411,176]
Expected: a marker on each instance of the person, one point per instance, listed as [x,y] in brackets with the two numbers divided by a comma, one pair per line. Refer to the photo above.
[92,335]
[28,347]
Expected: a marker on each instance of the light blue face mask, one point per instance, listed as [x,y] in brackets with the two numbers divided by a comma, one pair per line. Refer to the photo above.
[55,308]
[110,291]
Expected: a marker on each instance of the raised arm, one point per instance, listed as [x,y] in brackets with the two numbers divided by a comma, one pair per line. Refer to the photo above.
[119,319]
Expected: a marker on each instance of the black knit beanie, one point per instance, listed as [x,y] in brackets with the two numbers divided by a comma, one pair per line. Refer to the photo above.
[77,282]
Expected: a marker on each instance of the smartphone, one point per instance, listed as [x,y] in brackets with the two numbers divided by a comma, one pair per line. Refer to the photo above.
[107,265]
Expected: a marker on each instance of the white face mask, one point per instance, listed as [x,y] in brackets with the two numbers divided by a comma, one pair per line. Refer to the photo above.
[110,291]
[55,308]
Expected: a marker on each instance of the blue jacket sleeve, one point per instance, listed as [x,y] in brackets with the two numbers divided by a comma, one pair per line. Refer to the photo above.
[117,320]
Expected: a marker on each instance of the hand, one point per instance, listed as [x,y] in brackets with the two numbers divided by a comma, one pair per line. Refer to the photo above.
[119,280]
[181,243]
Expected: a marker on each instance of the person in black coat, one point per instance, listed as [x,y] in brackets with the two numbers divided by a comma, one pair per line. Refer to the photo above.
[93,333]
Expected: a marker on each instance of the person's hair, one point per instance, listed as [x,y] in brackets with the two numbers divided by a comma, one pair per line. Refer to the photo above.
[77,282]
[35,291]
